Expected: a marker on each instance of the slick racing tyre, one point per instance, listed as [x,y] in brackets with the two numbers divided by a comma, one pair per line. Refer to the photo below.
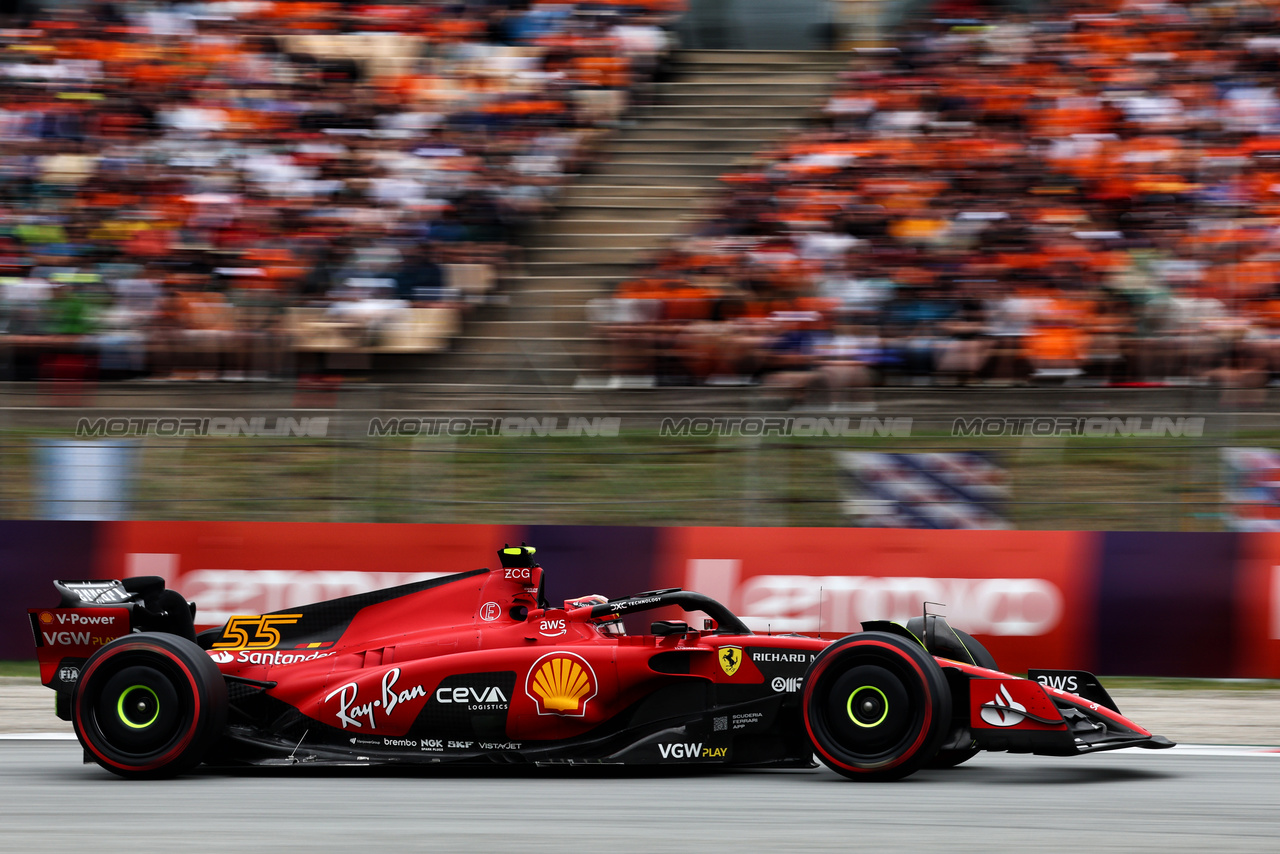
[876,706]
[149,705]
[982,658]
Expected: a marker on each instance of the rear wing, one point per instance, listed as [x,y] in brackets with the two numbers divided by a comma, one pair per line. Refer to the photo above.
[91,614]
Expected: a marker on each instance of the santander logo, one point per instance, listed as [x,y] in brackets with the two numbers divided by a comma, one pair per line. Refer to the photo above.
[1003,710]
[222,657]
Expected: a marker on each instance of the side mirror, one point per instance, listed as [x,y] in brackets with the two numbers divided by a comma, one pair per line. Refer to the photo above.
[663,628]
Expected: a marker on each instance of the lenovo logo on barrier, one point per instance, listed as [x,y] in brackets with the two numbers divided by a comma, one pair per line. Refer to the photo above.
[992,606]
[225,593]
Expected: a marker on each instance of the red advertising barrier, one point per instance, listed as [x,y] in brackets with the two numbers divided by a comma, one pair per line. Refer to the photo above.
[1257,612]
[232,568]
[1029,596]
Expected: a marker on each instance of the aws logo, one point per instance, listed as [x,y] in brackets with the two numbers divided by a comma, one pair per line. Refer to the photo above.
[561,683]
[730,659]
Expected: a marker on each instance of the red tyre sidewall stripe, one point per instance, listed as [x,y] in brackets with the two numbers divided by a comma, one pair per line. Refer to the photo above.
[924,729]
[179,747]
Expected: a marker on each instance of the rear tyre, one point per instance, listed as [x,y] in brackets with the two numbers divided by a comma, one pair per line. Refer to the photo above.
[149,705]
[876,706]
[982,658]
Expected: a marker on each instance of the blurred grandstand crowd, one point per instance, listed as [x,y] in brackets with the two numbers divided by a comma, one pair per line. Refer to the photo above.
[1090,195]
[214,189]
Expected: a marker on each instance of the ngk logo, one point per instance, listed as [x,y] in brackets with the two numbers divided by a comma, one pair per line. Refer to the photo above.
[992,606]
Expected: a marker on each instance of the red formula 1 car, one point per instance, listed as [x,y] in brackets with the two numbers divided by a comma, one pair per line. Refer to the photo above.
[478,668]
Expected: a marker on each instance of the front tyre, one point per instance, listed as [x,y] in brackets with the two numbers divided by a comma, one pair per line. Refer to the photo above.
[876,706]
[149,705]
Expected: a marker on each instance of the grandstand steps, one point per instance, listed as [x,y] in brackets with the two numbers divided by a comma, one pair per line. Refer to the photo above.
[591,255]
[613,269]
[669,221]
[619,242]
[756,58]
[655,178]
[660,154]
[630,194]
[631,210]
[680,146]
[753,85]
[706,166]
[704,181]
[641,137]
[717,113]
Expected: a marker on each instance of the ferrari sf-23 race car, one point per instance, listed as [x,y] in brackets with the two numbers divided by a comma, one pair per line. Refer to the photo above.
[478,667]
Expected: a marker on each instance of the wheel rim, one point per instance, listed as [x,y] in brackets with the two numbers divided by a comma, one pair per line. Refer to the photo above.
[869,711]
[873,701]
[138,707]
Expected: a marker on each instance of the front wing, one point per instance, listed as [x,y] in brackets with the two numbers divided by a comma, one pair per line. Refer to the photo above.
[1009,713]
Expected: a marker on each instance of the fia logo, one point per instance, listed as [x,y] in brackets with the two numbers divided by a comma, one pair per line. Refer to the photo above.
[730,659]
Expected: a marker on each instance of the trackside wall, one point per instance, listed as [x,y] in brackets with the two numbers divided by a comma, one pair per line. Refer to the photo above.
[1152,604]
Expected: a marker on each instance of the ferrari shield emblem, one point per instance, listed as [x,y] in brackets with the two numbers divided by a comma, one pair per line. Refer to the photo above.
[730,658]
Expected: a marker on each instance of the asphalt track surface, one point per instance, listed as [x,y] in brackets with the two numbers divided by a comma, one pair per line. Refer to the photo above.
[1125,801]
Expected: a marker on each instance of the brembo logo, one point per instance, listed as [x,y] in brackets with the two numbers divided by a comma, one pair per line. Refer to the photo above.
[1003,710]
[993,606]
[561,683]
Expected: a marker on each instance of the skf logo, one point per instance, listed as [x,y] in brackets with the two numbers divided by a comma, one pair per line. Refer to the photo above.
[552,628]
[255,632]
[730,659]
[1003,710]
[561,683]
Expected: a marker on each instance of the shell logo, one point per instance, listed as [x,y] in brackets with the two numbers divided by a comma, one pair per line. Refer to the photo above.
[561,683]
[46,617]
